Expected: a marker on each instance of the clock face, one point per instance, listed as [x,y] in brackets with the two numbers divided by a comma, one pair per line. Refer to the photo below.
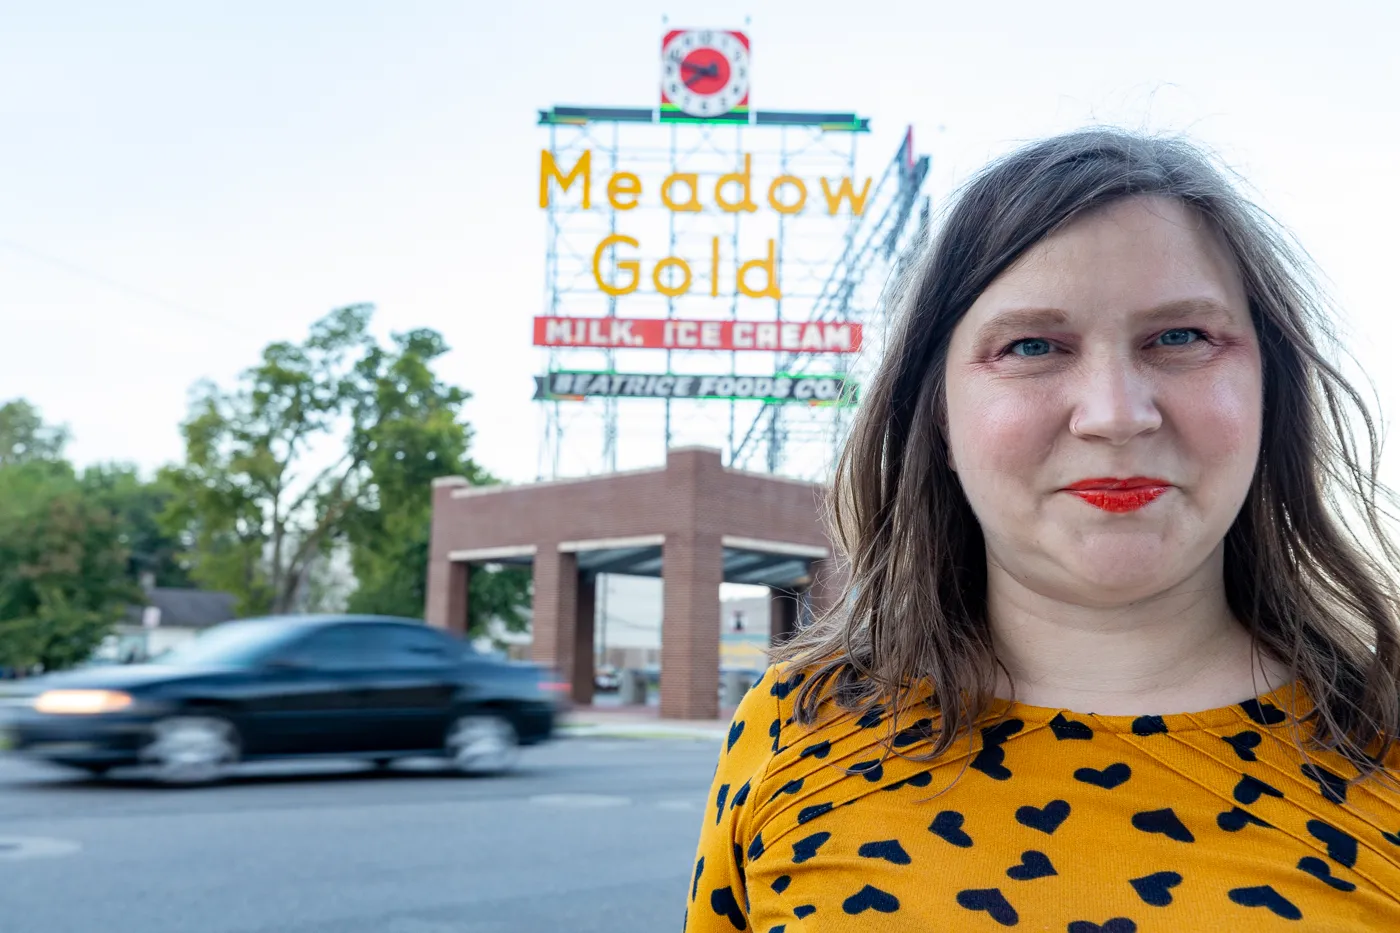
[705,72]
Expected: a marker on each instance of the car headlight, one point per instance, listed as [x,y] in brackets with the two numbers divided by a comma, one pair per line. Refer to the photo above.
[81,702]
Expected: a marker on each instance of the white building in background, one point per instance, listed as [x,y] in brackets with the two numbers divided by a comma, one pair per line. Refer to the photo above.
[627,630]
[167,617]
[627,625]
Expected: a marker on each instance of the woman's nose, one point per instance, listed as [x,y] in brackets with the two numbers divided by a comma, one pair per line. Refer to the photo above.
[1116,402]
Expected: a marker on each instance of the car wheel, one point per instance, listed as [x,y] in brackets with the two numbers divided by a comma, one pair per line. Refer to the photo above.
[191,749]
[482,743]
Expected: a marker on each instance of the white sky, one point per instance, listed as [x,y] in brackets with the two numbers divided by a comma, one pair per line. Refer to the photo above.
[239,169]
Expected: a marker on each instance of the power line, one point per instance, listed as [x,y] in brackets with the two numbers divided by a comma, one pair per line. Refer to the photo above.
[131,290]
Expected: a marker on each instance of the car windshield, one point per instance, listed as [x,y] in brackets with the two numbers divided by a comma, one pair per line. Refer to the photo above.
[232,644]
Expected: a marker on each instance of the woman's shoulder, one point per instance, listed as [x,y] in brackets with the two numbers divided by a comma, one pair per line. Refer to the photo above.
[795,753]
[803,701]
[791,701]
[767,721]
[769,707]
[794,721]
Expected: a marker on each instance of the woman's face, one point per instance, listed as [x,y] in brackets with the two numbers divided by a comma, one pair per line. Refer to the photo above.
[1104,399]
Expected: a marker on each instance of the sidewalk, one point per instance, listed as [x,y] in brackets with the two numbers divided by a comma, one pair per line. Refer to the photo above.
[640,722]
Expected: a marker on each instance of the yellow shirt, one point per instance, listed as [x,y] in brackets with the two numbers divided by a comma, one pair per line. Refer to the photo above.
[1050,820]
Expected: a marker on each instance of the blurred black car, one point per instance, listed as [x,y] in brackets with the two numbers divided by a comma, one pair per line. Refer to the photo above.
[333,686]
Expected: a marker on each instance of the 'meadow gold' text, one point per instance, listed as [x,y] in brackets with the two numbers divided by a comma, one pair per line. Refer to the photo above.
[680,192]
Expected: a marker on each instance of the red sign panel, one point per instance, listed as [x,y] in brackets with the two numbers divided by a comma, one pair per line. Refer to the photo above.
[669,334]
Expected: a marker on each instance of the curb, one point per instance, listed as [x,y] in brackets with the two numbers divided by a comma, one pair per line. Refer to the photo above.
[637,731]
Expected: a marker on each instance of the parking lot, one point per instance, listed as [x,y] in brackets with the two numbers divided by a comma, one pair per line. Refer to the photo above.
[589,835]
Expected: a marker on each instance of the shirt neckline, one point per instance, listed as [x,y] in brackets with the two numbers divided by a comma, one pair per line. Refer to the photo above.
[1290,699]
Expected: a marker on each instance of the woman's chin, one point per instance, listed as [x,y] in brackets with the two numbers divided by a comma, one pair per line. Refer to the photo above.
[1107,588]
[1130,568]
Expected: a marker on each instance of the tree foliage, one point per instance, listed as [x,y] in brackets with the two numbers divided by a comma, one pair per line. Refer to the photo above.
[324,447]
[63,567]
[251,497]
[137,505]
[25,438]
[327,443]
[418,437]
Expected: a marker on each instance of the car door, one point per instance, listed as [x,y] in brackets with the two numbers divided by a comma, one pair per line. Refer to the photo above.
[313,693]
[411,692]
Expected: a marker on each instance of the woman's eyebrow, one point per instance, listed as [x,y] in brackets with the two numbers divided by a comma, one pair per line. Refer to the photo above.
[1197,308]
[1023,321]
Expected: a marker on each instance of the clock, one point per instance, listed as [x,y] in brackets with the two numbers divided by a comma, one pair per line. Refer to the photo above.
[705,75]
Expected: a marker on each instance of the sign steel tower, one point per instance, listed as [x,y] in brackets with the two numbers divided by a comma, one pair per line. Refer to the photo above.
[701,243]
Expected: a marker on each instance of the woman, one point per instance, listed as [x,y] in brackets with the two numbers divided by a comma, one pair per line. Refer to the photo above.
[1113,656]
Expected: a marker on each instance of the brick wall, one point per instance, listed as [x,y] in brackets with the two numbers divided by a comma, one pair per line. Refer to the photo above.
[693,503]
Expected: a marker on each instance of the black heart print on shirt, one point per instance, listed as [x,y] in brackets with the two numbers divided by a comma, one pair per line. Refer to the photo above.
[1047,819]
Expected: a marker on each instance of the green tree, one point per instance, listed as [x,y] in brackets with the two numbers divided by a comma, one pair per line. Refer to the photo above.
[25,438]
[138,505]
[272,470]
[326,443]
[416,437]
[63,580]
[72,547]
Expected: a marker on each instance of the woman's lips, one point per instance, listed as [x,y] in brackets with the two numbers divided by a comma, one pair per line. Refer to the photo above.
[1118,495]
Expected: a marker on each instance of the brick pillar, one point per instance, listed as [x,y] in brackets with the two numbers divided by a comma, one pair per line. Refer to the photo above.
[691,570]
[555,610]
[459,577]
[446,598]
[782,615]
[582,674]
[447,595]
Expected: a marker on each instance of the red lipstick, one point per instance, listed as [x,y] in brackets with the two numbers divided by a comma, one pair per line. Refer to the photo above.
[1118,495]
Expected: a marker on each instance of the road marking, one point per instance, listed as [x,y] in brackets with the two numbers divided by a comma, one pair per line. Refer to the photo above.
[18,848]
[580,801]
[677,805]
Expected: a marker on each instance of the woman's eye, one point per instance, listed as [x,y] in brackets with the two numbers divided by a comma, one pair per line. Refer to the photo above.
[1179,337]
[1034,346]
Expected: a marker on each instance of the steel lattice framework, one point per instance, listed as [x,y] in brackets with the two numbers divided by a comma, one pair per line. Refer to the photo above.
[831,266]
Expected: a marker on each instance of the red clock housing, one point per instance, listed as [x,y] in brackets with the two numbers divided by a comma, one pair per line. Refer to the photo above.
[705,76]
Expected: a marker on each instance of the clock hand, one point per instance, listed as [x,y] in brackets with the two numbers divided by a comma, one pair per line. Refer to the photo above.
[711,72]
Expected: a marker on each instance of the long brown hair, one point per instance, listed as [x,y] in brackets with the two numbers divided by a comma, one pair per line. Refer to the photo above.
[1309,567]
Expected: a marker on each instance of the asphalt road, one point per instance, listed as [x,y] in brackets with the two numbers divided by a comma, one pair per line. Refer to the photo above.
[589,835]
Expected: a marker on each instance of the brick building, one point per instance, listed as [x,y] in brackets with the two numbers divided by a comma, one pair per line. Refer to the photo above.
[694,523]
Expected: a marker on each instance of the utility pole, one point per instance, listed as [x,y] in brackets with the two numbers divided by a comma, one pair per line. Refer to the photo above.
[602,621]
